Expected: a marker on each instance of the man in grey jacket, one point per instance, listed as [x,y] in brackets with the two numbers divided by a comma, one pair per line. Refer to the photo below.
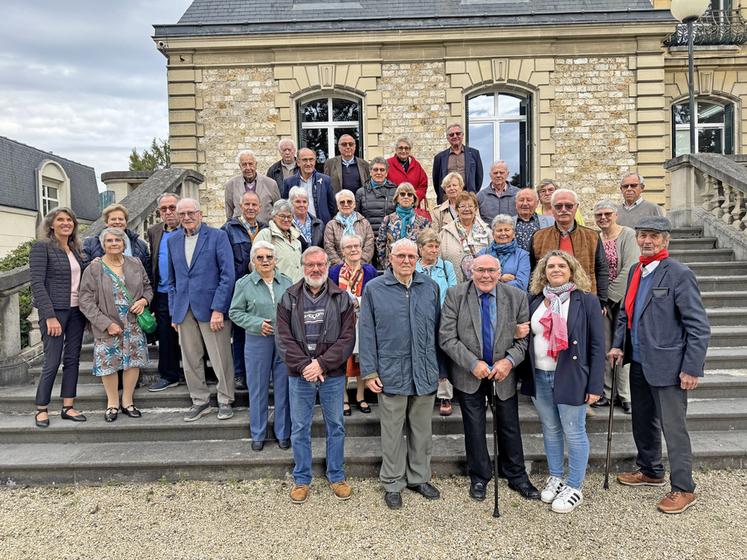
[250,181]
[398,329]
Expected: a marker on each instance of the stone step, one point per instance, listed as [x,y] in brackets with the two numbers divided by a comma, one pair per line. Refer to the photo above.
[719,283]
[726,357]
[725,316]
[685,232]
[731,336]
[692,243]
[728,299]
[711,268]
[702,255]
[71,463]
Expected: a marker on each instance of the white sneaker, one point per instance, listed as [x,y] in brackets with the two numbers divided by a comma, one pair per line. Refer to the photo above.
[568,500]
[553,486]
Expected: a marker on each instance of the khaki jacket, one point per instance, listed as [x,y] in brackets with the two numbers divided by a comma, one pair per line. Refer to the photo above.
[267,190]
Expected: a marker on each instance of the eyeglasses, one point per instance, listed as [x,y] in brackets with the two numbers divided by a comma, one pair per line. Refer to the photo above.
[308,159]
[285,217]
[346,202]
[170,208]
[264,257]
[454,134]
[347,144]
[465,207]
[564,206]
[407,194]
[630,186]
[352,246]
[313,266]
[378,170]
[486,270]
[401,257]
[188,214]
[603,214]
[403,148]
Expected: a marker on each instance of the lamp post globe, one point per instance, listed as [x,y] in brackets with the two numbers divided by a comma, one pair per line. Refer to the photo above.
[688,10]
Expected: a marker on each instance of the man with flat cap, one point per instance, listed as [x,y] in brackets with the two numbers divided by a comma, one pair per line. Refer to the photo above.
[663,331]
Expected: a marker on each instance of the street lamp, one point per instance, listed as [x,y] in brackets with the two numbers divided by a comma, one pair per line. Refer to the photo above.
[687,11]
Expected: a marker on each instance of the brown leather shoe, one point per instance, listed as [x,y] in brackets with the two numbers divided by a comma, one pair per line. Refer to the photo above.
[445,409]
[299,493]
[676,502]
[637,478]
[341,489]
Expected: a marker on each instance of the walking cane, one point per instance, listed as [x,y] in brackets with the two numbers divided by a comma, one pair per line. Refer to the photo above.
[615,372]
[493,397]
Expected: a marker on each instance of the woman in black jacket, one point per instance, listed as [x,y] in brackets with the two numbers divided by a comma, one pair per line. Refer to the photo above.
[56,263]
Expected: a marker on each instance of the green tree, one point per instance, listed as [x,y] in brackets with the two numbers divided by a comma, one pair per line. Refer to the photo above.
[20,257]
[158,156]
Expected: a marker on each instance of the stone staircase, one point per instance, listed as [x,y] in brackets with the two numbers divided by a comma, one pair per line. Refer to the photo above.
[161,446]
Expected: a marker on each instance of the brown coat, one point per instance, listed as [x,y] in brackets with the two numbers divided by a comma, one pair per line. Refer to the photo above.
[333,236]
[333,168]
[96,296]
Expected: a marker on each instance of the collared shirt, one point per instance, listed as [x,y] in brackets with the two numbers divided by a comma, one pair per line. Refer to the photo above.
[631,206]
[251,229]
[289,169]
[163,261]
[190,243]
[347,162]
[308,186]
[525,230]
[250,186]
[456,162]
[649,268]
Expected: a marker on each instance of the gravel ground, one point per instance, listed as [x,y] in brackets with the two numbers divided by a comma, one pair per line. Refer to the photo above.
[255,520]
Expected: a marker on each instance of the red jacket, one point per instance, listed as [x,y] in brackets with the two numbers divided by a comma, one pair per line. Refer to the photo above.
[416,175]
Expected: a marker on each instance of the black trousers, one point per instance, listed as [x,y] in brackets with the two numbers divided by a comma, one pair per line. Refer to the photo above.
[658,410]
[237,346]
[510,448]
[169,353]
[64,348]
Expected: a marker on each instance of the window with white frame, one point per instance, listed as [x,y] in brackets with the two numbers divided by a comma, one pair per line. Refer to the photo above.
[50,196]
[714,127]
[498,124]
[322,121]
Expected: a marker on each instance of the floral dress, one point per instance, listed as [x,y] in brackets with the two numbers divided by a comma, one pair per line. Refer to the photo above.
[126,350]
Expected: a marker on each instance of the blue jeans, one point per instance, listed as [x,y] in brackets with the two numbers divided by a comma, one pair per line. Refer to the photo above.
[302,399]
[262,365]
[558,420]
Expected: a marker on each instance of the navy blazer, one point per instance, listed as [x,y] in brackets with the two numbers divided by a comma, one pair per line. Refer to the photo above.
[580,368]
[206,285]
[673,333]
[472,170]
[324,199]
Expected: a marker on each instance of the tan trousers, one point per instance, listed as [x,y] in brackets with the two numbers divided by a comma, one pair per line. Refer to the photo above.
[192,334]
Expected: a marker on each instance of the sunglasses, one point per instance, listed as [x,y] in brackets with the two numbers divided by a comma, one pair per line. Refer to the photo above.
[566,206]
[454,134]
[170,208]
[346,202]
[264,257]
[347,144]
[407,194]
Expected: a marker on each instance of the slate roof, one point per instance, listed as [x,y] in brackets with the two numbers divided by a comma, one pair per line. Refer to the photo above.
[18,188]
[251,17]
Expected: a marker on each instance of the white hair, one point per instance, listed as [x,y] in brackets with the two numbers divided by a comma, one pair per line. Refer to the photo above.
[404,243]
[257,245]
[297,192]
[116,232]
[348,237]
[559,192]
[243,153]
[192,201]
[605,204]
[501,219]
[633,174]
[344,192]
[286,141]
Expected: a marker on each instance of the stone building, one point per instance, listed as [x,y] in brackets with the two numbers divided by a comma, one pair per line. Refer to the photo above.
[577,90]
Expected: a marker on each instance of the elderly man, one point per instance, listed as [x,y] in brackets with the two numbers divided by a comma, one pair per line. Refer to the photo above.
[478,326]
[581,242]
[398,330]
[241,232]
[634,208]
[498,197]
[317,185]
[250,181]
[286,166]
[526,220]
[460,159]
[201,280]
[663,332]
[316,336]
[168,341]
[347,171]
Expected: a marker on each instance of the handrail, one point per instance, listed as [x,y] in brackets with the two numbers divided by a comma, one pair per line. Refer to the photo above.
[715,27]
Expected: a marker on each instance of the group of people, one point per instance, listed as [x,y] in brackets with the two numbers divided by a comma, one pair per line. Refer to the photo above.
[317,278]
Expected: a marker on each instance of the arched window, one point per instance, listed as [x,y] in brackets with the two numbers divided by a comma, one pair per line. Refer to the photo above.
[54,186]
[498,124]
[714,127]
[322,121]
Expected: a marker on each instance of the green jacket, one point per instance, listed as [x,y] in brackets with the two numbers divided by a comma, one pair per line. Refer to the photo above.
[252,303]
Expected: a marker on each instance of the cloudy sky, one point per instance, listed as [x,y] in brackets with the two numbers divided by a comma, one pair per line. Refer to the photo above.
[82,78]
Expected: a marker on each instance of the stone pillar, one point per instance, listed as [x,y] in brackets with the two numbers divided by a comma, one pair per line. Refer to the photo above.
[12,368]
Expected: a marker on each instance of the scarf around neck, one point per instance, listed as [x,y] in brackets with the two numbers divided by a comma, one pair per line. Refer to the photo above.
[347,222]
[635,281]
[556,327]
[502,251]
[407,215]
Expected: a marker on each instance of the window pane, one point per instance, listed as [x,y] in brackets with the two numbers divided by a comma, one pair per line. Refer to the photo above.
[316,139]
[509,106]
[709,140]
[682,143]
[315,111]
[345,110]
[481,106]
[510,150]
[681,113]
[481,137]
[51,192]
[352,132]
[710,113]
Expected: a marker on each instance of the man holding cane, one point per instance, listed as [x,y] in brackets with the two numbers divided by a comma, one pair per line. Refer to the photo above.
[663,331]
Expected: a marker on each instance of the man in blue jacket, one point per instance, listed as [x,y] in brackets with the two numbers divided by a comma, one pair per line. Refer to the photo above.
[459,158]
[663,331]
[201,280]
[318,186]
[398,333]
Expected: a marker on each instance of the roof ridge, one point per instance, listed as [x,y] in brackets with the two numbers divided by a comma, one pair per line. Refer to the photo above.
[47,152]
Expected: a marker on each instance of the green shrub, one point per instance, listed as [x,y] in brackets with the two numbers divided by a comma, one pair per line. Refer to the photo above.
[20,257]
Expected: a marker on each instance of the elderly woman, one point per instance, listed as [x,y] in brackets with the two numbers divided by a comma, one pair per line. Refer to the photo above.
[116,216]
[404,168]
[56,263]
[464,238]
[113,292]
[441,272]
[446,212]
[564,371]
[544,191]
[514,260]
[347,222]
[285,238]
[352,275]
[403,223]
[622,252]
[310,227]
[376,199]
[253,307]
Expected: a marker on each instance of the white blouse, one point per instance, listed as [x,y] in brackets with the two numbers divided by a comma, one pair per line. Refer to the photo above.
[540,345]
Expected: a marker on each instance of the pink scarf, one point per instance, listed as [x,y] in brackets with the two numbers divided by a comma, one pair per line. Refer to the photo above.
[556,328]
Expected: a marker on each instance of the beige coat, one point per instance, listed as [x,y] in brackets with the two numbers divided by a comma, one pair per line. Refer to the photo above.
[333,237]
[452,249]
[96,296]
[441,216]
[287,253]
[267,191]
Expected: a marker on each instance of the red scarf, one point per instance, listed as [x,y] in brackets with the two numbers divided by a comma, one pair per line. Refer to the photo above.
[636,280]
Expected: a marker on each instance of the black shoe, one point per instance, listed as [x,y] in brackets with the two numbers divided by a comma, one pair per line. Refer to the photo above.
[41,423]
[393,500]
[427,490]
[258,445]
[603,401]
[477,491]
[627,409]
[346,411]
[526,489]
[239,383]
[111,414]
[284,443]
[363,407]
[65,416]
[131,411]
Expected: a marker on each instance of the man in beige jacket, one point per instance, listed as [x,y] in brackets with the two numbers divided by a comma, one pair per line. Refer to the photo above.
[250,181]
